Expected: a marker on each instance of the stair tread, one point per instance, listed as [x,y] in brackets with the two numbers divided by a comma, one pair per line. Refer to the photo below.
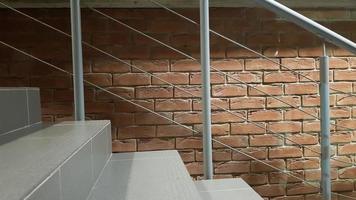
[27,161]
[226,189]
[159,175]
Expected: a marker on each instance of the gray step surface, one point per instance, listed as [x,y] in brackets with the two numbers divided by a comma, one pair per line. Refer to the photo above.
[159,175]
[61,161]
[226,189]
[20,109]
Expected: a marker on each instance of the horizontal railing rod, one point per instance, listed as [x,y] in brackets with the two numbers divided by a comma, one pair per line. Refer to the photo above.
[308,24]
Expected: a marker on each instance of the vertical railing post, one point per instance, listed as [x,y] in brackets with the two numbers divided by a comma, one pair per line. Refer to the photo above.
[325,126]
[205,68]
[77,60]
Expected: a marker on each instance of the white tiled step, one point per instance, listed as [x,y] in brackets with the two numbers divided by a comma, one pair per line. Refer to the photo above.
[226,189]
[159,175]
[59,162]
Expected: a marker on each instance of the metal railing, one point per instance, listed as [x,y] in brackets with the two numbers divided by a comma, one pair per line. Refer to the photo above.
[207,74]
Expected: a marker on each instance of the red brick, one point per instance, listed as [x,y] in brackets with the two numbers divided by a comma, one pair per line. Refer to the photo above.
[153,119]
[345,100]
[315,175]
[227,65]
[154,92]
[292,101]
[124,145]
[340,162]
[247,129]
[125,92]
[170,77]
[338,63]
[111,39]
[345,75]
[301,188]
[265,140]
[300,89]
[155,144]
[189,143]
[311,100]
[311,76]
[187,155]
[215,78]
[223,117]
[119,119]
[342,186]
[228,90]
[281,51]
[151,65]
[302,139]
[238,52]
[216,129]
[340,112]
[173,131]
[254,179]
[188,91]
[303,163]
[298,63]
[232,167]
[261,64]
[51,82]
[195,168]
[126,107]
[265,90]
[346,124]
[247,103]
[270,190]
[280,77]
[265,115]
[131,79]
[301,114]
[188,117]
[244,77]
[348,173]
[218,155]
[347,149]
[57,108]
[173,105]
[314,151]
[336,138]
[233,141]
[216,104]
[285,152]
[310,51]
[185,66]
[65,95]
[249,153]
[254,39]
[261,167]
[99,79]
[291,177]
[134,132]
[98,107]
[340,87]
[285,127]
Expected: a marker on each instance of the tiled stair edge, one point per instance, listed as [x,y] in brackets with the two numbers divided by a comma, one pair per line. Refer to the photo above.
[76,176]
[21,112]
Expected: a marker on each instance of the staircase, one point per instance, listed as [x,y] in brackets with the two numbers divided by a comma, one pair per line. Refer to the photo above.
[73,161]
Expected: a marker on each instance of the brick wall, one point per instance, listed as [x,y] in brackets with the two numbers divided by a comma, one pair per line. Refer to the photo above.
[137,130]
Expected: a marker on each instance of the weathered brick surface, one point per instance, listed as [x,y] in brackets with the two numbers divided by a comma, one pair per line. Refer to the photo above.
[254,117]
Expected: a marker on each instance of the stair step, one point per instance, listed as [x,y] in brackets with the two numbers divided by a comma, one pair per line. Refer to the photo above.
[59,161]
[159,175]
[20,109]
[226,189]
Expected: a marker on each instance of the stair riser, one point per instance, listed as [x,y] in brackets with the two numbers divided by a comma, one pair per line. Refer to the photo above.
[74,178]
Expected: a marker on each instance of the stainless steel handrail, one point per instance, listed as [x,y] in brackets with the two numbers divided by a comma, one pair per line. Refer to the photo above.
[308,24]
